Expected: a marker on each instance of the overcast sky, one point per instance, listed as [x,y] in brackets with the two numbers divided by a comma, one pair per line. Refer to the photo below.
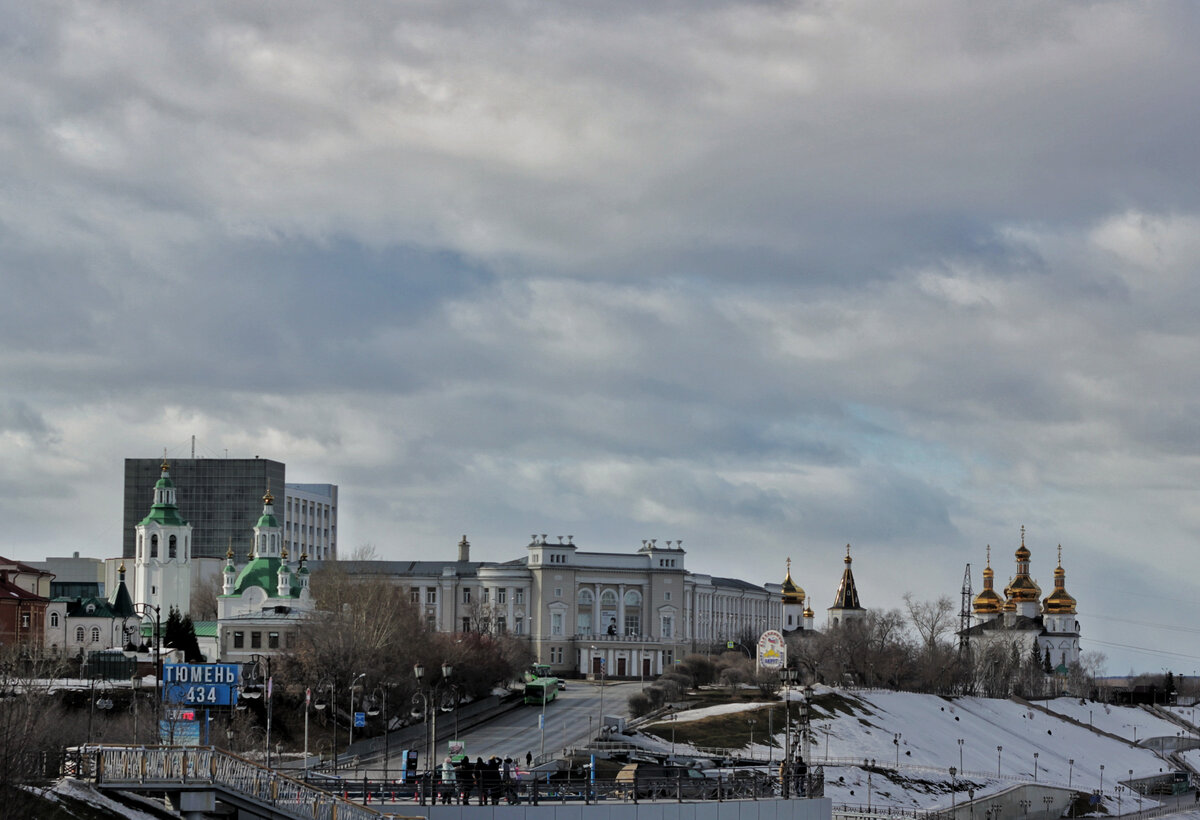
[769,278]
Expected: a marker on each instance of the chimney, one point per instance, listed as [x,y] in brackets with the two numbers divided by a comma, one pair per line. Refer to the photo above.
[464,550]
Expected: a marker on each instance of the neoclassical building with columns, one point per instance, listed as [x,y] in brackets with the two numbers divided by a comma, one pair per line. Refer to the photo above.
[626,614]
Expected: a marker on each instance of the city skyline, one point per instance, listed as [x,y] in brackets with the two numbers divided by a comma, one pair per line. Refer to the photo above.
[767,278]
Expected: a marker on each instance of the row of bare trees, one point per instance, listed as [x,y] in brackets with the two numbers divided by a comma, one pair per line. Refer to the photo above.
[917,649]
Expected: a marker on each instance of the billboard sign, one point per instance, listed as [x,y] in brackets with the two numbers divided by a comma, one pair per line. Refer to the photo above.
[772,651]
[201,684]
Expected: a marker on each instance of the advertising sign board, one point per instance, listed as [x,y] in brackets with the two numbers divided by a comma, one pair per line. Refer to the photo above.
[772,651]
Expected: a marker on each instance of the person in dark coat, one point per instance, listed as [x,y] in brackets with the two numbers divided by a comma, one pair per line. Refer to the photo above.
[466,779]
[481,780]
[529,760]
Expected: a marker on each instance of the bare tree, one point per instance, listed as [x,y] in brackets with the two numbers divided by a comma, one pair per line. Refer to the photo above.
[931,619]
[204,597]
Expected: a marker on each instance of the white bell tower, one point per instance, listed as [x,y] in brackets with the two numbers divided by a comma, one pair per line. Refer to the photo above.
[162,566]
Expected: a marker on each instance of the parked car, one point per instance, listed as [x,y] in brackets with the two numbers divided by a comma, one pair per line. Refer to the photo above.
[649,781]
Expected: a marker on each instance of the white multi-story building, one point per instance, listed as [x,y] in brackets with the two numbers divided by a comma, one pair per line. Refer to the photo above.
[310,520]
[623,614]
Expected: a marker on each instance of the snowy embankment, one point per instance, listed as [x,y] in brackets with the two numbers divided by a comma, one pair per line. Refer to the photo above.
[909,742]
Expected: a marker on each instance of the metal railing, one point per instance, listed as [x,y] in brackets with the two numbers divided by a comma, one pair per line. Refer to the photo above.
[136,768]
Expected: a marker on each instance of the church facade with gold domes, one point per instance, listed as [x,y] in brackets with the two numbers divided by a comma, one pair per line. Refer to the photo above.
[797,606]
[1023,617]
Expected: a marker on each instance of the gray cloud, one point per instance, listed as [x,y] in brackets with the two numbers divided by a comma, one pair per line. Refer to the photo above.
[768,277]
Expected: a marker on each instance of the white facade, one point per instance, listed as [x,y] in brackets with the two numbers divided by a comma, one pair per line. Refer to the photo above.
[310,513]
[629,615]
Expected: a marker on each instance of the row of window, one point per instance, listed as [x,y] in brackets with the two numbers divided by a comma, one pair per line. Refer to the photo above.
[499,625]
[414,595]
[172,546]
[256,639]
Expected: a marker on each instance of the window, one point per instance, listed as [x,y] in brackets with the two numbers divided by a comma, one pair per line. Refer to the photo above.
[558,592]
[668,658]
[256,640]
[502,596]
[154,546]
[272,640]
[25,620]
[79,634]
[666,596]
[668,626]
[431,595]
[414,595]
[556,623]
[466,595]
[584,621]
[53,619]
[520,596]
[487,595]
[171,547]
[556,654]
[466,622]
[239,640]
[633,623]
[95,634]
[585,597]
[608,598]
[501,625]
[430,623]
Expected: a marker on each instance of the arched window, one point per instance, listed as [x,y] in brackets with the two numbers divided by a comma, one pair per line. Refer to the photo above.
[585,597]
[140,546]
[154,546]
[53,619]
[79,634]
[633,612]
[608,598]
[95,634]
[171,547]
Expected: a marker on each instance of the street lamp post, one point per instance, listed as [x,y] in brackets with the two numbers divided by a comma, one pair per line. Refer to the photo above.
[867,764]
[1070,771]
[1101,778]
[1035,766]
[999,749]
[896,743]
[806,694]
[353,686]
[104,701]
[960,753]
[751,721]
[427,694]
[953,795]
[330,685]
[254,687]
[788,676]
[143,611]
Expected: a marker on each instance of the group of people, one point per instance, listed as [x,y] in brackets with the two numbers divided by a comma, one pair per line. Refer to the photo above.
[490,779]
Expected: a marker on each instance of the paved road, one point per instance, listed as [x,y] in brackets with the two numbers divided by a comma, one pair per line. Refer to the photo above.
[570,719]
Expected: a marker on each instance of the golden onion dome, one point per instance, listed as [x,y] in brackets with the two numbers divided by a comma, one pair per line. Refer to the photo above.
[1059,602]
[808,613]
[1023,553]
[988,602]
[792,593]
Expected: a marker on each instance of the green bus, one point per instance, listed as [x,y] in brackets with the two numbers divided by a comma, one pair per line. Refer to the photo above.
[540,691]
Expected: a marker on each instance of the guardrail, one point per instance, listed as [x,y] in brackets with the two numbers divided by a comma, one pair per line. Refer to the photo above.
[162,767]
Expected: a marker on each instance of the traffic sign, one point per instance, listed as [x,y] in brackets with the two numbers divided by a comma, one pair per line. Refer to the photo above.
[360,720]
[201,684]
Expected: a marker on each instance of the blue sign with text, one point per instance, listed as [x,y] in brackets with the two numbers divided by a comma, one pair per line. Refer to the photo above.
[201,684]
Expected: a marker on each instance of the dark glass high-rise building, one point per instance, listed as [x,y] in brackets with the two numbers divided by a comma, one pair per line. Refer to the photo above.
[221,498]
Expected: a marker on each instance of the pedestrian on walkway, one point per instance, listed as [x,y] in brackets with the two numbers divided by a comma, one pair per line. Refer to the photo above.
[448,781]
[529,760]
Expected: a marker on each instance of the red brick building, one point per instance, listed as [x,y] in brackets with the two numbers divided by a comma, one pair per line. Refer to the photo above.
[24,596]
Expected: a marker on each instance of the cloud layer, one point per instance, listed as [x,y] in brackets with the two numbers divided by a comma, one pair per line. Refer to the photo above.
[767,277]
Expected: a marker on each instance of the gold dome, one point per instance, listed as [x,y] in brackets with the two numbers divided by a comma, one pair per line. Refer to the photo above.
[808,613]
[1022,587]
[792,593]
[1059,602]
[988,602]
